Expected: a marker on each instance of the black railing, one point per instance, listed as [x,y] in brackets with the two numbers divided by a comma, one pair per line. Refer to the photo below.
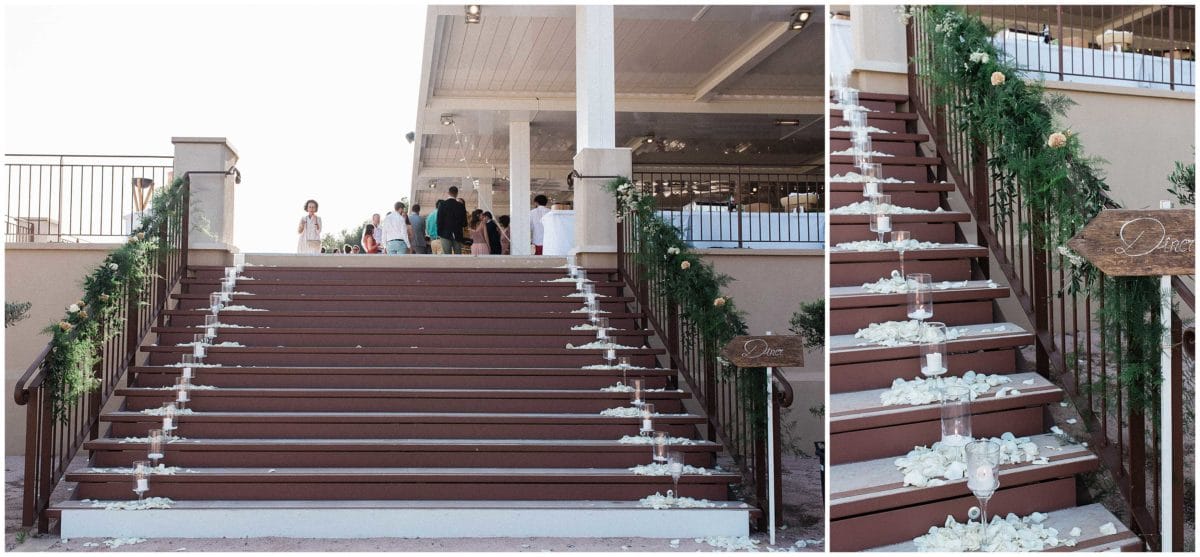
[79,198]
[1070,338]
[734,420]
[52,442]
[1144,46]
[740,207]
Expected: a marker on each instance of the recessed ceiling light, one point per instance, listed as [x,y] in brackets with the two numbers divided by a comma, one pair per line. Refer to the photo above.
[473,13]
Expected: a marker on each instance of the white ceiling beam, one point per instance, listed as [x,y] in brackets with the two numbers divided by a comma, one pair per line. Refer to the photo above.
[536,172]
[745,58]
[1118,21]
[686,104]
[638,12]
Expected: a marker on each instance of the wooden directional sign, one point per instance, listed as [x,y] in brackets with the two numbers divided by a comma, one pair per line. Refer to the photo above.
[1128,243]
[765,351]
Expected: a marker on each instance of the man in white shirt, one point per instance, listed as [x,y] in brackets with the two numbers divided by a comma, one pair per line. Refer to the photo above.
[378,230]
[395,231]
[537,231]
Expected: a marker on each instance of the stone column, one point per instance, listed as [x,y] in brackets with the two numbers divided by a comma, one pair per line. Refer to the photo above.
[518,192]
[881,60]
[212,194]
[595,207]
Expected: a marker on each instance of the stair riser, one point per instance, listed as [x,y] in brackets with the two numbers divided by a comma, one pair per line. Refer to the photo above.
[448,278]
[263,288]
[409,321]
[914,173]
[205,401]
[886,442]
[855,274]
[894,126]
[895,526]
[846,378]
[917,200]
[401,458]
[230,358]
[497,340]
[483,309]
[851,320]
[457,491]
[399,381]
[941,232]
[878,106]
[252,429]
[897,148]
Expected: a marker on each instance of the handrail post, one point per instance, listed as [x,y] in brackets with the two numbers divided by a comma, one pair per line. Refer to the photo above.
[1041,296]
[737,188]
[1058,11]
[32,408]
[979,201]
[186,215]
[132,325]
[1176,440]
[45,459]
[160,283]
[1171,42]
[776,409]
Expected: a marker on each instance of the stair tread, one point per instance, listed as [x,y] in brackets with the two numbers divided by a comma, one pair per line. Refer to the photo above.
[404,370]
[397,417]
[927,217]
[862,409]
[581,317]
[841,297]
[845,349]
[888,97]
[250,268]
[893,186]
[377,331]
[398,350]
[907,160]
[879,114]
[1088,518]
[883,136]
[944,251]
[191,504]
[390,444]
[353,474]
[301,297]
[376,392]
[873,485]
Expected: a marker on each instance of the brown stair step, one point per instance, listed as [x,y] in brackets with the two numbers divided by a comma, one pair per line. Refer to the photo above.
[947,262]
[402,483]
[847,349]
[397,425]
[398,400]
[895,148]
[405,453]
[869,486]
[447,276]
[885,137]
[852,308]
[314,287]
[937,227]
[858,376]
[443,338]
[482,308]
[414,355]
[509,321]
[902,218]
[907,172]
[889,124]
[893,187]
[881,115]
[902,525]
[860,428]
[889,161]
[402,377]
[1087,518]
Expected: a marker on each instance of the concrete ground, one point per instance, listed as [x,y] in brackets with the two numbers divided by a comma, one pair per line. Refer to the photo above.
[803,515]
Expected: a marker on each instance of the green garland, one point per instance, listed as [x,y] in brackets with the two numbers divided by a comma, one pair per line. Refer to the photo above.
[695,287]
[1032,158]
[809,322]
[96,317]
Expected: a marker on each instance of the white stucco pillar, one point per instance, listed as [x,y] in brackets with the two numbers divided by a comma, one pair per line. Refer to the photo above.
[484,195]
[518,193]
[595,78]
[212,194]
[595,207]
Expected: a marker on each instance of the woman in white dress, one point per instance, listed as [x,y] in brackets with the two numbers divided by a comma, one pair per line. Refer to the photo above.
[310,230]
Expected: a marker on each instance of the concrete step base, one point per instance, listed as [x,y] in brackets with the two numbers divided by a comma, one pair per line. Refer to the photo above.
[404,519]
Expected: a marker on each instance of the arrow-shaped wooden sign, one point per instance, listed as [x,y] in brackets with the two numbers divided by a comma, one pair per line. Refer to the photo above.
[1134,242]
[765,351]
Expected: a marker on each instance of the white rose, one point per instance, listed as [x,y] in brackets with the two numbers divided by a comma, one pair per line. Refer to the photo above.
[73,308]
[112,266]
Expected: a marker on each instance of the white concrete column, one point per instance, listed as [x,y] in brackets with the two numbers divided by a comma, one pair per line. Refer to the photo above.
[212,194]
[595,78]
[518,192]
[595,207]
[484,195]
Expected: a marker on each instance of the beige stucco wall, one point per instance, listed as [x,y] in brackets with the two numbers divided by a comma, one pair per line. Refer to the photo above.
[769,287]
[50,276]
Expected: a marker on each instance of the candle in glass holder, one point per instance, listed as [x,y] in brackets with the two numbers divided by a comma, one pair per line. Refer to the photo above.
[214,302]
[230,272]
[168,417]
[661,444]
[624,362]
[647,418]
[239,261]
[602,322]
[636,398]
[933,349]
[610,356]
[956,416]
[141,478]
[983,463]
[920,296]
[157,440]
[187,372]
[210,327]
[594,315]
[601,334]
[198,350]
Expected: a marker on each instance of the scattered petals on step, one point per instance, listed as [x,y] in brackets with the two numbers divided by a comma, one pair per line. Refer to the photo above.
[582,295]
[193,365]
[852,151]
[647,440]
[1009,534]
[725,543]
[660,501]
[608,367]
[875,245]
[590,327]
[924,465]
[625,412]
[225,326]
[598,345]
[235,308]
[622,388]
[226,344]
[855,178]
[870,208]
[901,333]
[836,106]
[921,390]
[159,411]
[1108,529]
[897,284]
[566,279]
[870,129]
[160,470]
[145,504]
[191,387]
[662,470]
[118,542]
[585,310]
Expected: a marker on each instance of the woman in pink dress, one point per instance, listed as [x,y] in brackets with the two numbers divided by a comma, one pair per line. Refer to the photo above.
[479,239]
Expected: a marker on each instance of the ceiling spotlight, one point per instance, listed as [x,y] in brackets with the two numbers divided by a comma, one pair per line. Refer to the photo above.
[800,17]
[650,137]
[787,122]
[473,13]
[447,119]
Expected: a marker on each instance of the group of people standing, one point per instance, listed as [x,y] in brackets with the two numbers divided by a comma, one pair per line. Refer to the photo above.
[444,231]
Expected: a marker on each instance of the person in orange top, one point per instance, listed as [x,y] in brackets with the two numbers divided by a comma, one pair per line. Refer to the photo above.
[369,245]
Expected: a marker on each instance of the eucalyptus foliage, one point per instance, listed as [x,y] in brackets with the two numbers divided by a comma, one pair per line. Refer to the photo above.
[76,344]
[809,322]
[1183,183]
[1032,157]
[694,287]
[14,312]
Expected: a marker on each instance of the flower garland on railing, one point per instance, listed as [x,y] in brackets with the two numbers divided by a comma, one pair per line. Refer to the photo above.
[96,317]
[1032,158]
[694,286]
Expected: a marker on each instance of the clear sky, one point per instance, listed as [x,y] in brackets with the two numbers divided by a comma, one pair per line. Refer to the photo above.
[316,99]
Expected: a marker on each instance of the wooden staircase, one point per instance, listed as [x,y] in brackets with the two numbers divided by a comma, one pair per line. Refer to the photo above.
[438,398]
[871,508]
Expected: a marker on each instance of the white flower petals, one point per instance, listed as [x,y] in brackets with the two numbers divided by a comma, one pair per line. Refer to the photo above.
[1108,529]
